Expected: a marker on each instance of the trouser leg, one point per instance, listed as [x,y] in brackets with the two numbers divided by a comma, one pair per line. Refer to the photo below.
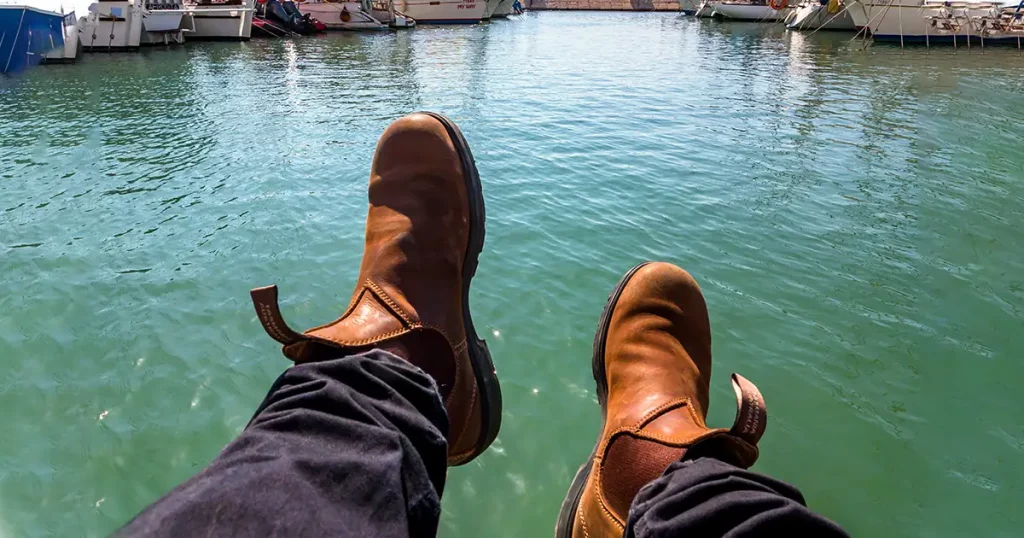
[353,446]
[707,497]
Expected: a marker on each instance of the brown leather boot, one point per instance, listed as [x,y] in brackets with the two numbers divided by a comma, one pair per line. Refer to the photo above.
[652,364]
[424,231]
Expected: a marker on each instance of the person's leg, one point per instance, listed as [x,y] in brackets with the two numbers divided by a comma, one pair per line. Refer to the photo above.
[351,446]
[652,365]
[708,497]
[355,439]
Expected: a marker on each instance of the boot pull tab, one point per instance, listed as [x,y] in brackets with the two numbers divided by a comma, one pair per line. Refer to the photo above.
[265,301]
[751,413]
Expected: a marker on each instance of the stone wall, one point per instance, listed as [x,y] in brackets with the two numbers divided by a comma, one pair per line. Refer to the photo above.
[603,5]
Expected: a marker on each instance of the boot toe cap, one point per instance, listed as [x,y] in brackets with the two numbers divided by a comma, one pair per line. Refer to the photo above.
[417,133]
[663,280]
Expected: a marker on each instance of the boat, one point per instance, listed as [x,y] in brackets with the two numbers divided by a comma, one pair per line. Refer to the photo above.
[280,18]
[816,15]
[27,35]
[929,22]
[120,25]
[111,27]
[356,14]
[343,15]
[218,20]
[503,10]
[489,7]
[443,11]
[751,10]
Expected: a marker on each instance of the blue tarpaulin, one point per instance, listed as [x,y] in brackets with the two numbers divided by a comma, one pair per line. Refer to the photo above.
[26,35]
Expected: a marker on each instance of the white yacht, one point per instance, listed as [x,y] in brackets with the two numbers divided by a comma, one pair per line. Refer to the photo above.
[128,24]
[814,15]
[750,10]
[443,11]
[111,26]
[930,22]
[356,14]
[218,20]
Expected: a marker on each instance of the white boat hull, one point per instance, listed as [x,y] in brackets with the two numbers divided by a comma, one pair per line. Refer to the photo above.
[111,26]
[330,14]
[747,12]
[443,11]
[914,22]
[219,22]
[814,16]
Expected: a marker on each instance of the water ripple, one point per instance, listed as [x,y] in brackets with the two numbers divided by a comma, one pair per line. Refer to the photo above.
[852,216]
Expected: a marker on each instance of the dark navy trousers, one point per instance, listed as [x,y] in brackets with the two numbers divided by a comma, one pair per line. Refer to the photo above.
[355,446]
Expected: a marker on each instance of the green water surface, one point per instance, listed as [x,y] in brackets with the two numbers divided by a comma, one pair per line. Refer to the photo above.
[854,218]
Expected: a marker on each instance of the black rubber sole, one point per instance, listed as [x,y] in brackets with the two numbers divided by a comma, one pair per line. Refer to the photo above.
[567,515]
[479,355]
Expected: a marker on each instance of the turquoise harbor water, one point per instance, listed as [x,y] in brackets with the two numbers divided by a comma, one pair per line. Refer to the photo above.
[854,218]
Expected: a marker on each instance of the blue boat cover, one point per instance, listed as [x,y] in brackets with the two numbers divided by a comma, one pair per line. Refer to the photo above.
[26,35]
